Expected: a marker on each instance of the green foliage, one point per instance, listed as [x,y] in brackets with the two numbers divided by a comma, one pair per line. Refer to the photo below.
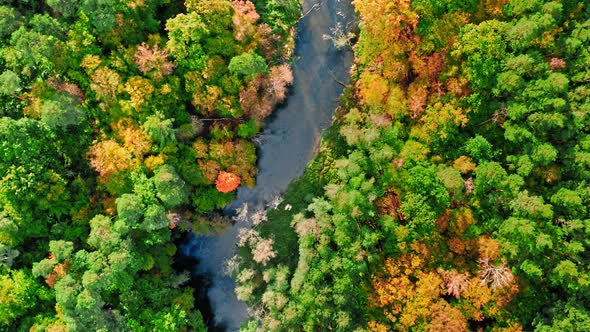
[18,292]
[9,21]
[248,65]
[67,8]
[479,148]
[10,83]
[160,130]
[171,188]
[61,111]
[48,25]
[248,129]
[205,200]
[484,174]
[87,228]
[101,13]
[62,250]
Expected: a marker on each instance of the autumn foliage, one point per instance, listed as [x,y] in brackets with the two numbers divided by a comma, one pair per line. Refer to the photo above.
[227,182]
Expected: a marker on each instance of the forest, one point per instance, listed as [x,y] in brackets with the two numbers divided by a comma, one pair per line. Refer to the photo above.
[124,124]
[451,192]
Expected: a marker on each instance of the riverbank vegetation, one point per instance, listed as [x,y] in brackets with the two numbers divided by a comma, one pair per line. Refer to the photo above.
[121,124]
[451,193]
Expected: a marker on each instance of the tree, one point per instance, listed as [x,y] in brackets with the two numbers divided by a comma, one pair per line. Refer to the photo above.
[105,83]
[248,65]
[32,189]
[61,250]
[10,83]
[102,13]
[31,52]
[227,182]
[61,111]
[170,186]
[160,129]
[479,148]
[152,61]
[130,208]
[140,91]
[108,157]
[67,8]
[155,218]
[18,295]
[102,236]
[9,21]
[185,32]
[244,19]
[48,25]
[7,256]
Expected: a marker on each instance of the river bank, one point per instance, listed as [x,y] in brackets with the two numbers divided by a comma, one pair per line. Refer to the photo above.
[289,141]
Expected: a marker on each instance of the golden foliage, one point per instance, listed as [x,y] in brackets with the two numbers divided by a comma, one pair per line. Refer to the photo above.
[108,157]
[488,248]
[105,83]
[446,318]
[151,162]
[477,295]
[389,20]
[372,89]
[201,148]
[397,103]
[459,86]
[140,91]
[438,121]
[464,164]
[90,62]
[137,141]
[377,327]
[210,169]
[460,219]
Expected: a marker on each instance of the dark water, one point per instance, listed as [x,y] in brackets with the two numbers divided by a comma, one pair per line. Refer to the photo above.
[290,139]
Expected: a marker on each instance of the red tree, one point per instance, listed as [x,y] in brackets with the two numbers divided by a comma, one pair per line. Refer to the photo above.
[227,182]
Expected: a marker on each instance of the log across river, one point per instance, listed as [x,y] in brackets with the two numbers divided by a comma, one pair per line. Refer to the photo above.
[289,140]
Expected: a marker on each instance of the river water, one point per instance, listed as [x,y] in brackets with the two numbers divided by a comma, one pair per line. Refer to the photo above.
[289,141]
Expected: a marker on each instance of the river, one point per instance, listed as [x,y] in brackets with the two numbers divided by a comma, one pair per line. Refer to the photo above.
[289,141]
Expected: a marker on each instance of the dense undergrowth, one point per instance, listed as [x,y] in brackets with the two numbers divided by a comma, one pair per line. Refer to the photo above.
[451,194]
[120,122]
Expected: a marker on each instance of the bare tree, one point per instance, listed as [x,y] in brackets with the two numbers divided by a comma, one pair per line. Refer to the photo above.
[498,276]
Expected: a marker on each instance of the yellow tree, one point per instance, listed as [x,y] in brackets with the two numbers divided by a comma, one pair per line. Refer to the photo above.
[108,157]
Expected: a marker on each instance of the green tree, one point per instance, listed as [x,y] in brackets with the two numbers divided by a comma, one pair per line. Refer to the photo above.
[160,129]
[7,255]
[130,208]
[61,111]
[170,186]
[9,21]
[10,83]
[67,8]
[101,13]
[248,65]
[18,295]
